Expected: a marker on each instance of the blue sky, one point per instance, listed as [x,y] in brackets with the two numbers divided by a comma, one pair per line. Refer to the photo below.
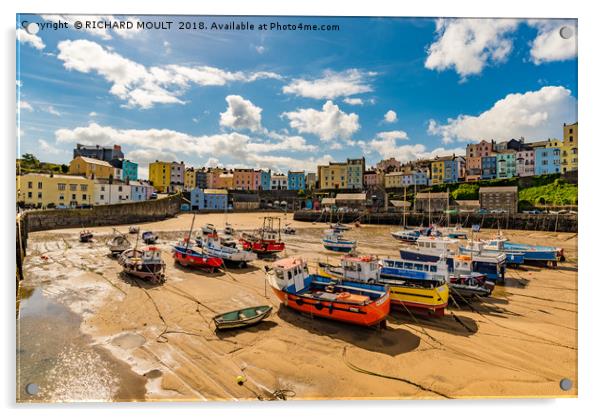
[380,87]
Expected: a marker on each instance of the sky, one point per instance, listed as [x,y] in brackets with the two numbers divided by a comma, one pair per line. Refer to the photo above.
[285,99]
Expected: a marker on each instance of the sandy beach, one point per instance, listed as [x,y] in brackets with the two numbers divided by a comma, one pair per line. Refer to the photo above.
[158,343]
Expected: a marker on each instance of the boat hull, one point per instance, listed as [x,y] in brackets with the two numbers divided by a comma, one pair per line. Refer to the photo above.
[339,247]
[262,248]
[363,315]
[221,322]
[192,259]
[426,301]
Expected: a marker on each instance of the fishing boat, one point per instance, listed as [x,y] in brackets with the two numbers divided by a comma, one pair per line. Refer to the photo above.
[356,268]
[229,230]
[431,249]
[184,255]
[342,300]
[118,243]
[241,318]
[149,238]
[213,246]
[144,263]
[85,236]
[480,248]
[208,229]
[534,253]
[339,226]
[289,230]
[409,236]
[467,283]
[416,286]
[335,241]
[134,229]
[266,240]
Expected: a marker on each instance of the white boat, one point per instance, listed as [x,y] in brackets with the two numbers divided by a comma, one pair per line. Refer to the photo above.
[229,230]
[335,241]
[144,263]
[208,229]
[212,246]
[355,268]
[289,230]
[118,243]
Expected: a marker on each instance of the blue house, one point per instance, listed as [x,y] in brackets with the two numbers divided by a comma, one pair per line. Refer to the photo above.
[547,161]
[139,191]
[489,167]
[421,177]
[208,199]
[266,180]
[452,167]
[296,180]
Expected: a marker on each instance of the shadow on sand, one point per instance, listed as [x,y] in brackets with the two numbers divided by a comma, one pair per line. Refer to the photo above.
[450,323]
[137,282]
[389,341]
[260,327]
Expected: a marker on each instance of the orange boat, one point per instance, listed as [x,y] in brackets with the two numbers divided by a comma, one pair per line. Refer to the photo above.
[348,301]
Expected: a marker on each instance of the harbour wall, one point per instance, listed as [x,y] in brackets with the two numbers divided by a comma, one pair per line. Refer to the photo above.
[518,221]
[108,215]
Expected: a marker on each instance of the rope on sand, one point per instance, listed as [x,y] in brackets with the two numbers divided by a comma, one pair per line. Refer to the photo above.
[396,378]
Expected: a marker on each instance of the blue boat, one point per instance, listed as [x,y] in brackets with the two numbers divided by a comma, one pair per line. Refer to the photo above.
[477,248]
[336,242]
[406,235]
[534,253]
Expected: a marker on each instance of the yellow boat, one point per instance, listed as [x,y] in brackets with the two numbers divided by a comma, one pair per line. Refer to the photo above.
[424,296]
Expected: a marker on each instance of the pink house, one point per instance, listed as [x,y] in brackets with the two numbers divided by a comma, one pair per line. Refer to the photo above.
[525,162]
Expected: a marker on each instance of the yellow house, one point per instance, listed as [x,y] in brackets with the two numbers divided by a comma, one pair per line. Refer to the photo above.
[189,179]
[48,190]
[568,152]
[437,172]
[333,175]
[394,179]
[159,174]
[91,168]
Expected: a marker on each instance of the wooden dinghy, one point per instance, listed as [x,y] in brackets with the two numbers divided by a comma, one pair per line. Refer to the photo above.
[241,318]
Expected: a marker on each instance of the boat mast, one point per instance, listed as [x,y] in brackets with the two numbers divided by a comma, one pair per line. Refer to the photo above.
[429,208]
[190,232]
[404,206]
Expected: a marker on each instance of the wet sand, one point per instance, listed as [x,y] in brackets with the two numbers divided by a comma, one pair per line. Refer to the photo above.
[518,343]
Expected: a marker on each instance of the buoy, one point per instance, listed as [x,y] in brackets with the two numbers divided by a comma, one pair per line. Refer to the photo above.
[240,379]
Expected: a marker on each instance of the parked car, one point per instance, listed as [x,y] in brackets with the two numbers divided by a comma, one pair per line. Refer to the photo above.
[481,211]
[153,196]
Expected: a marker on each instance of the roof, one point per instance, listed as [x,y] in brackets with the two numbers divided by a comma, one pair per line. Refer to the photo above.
[468,203]
[400,203]
[351,196]
[431,195]
[395,174]
[214,191]
[288,263]
[328,200]
[508,189]
[95,161]
[42,174]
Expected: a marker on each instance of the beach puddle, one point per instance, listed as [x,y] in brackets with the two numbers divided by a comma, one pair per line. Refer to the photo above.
[53,354]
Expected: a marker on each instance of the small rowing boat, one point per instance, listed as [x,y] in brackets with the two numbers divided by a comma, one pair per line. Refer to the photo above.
[241,318]
[134,229]
[118,243]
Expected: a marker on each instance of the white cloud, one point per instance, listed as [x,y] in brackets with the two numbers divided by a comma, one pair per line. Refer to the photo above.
[260,49]
[534,115]
[53,111]
[386,146]
[549,46]
[167,47]
[328,124]
[393,134]
[19,83]
[34,40]
[212,163]
[353,101]
[151,144]
[241,114]
[331,85]
[92,114]
[142,86]
[390,116]
[24,105]
[467,45]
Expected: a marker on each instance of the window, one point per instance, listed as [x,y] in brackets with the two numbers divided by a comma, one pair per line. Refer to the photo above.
[39,185]
[62,187]
[61,197]
[73,197]
[84,197]
[102,196]
[30,184]
[72,187]
[29,195]
[40,196]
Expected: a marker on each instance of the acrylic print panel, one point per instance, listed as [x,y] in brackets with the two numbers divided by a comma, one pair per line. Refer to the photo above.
[287,208]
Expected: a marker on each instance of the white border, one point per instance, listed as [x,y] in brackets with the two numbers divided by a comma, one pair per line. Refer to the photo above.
[589,246]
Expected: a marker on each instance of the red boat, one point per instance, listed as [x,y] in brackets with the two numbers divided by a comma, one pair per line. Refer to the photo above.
[186,256]
[266,240]
[348,301]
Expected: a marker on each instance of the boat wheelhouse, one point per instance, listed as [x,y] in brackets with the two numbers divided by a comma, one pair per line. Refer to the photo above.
[342,300]
[118,243]
[535,253]
[356,268]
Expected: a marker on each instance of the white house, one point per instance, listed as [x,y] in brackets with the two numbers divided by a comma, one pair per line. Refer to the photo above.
[279,182]
[105,193]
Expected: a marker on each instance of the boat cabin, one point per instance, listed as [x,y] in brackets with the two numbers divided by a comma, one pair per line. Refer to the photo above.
[290,275]
[418,270]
